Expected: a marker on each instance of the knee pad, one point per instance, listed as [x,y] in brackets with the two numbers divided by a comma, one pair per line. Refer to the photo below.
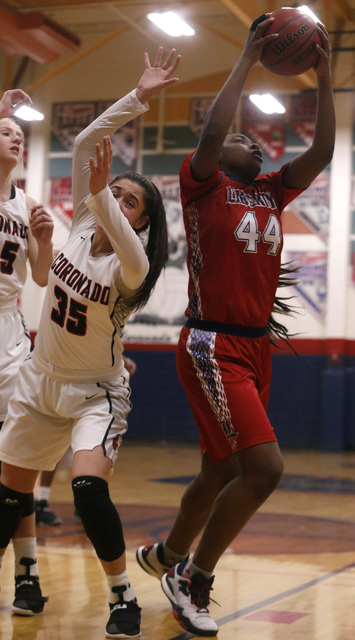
[13,506]
[99,516]
[30,507]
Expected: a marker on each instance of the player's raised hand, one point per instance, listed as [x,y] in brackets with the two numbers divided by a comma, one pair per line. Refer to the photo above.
[100,171]
[158,76]
[12,100]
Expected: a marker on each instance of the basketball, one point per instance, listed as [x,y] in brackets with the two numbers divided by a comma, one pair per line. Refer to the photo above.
[295,49]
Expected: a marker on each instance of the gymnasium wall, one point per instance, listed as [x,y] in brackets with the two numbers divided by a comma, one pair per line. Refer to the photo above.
[312,396]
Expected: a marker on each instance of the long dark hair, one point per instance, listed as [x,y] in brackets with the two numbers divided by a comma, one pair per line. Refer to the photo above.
[156,246]
[275,329]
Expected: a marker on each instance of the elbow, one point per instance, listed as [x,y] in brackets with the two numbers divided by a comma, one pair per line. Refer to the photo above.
[40,280]
[137,277]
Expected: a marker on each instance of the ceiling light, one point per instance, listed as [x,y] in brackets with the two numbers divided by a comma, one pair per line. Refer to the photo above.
[171,24]
[309,12]
[27,113]
[267,103]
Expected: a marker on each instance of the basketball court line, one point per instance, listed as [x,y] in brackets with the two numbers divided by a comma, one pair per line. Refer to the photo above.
[268,601]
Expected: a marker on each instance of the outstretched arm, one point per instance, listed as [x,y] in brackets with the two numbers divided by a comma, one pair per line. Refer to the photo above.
[301,171]
[134,264]
[221,112]
[153,80]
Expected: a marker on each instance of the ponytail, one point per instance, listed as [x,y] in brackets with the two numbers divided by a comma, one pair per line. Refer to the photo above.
[275,329]
[156,244]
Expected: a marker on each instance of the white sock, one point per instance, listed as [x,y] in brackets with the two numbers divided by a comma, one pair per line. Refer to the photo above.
[116,581]
[171,557]
[191,568]
[43,493]
[25,548]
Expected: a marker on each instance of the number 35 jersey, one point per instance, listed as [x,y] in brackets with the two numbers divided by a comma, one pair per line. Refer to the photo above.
[234,238]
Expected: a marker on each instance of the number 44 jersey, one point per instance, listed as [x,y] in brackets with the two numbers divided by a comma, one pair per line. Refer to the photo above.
[234,238]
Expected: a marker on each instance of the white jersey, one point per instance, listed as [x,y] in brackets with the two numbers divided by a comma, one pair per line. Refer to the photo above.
[80,331]
[14,225]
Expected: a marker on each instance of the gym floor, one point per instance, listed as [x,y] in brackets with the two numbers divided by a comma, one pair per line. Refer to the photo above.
[290,573]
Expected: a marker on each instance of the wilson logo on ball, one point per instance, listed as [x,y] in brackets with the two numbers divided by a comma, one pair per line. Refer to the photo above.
[290,38]
[294,51]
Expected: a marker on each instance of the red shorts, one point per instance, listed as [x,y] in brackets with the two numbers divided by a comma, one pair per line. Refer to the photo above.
[227,382]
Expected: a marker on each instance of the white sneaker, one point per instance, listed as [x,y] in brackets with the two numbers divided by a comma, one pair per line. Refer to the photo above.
[189,598]
[151,559]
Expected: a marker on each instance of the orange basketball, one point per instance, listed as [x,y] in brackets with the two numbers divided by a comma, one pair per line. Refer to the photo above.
[295,49]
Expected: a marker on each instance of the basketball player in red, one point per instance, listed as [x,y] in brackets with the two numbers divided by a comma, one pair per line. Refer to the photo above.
[233,225]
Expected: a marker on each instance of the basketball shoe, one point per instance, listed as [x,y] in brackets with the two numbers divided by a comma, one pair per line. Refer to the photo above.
[28,595]
[125,618]
[151,559]
[44,515]
[189,597]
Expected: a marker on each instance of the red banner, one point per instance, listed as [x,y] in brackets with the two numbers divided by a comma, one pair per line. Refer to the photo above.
[302,116]
[61,200]
[267,130]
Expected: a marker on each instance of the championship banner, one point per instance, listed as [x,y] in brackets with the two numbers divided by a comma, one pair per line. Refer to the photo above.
[303,116]
[312,280]
[61,200]
[312,206]
[267,130]
[198,109]
[70,118]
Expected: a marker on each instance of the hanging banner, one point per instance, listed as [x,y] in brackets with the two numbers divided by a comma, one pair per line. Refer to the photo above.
[198,109]
[163,316]
[312,280]
[70,118]
[267,130]
[61,200]
[302,116]
[312,206]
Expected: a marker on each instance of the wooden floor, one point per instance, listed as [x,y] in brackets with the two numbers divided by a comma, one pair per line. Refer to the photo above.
[289,575]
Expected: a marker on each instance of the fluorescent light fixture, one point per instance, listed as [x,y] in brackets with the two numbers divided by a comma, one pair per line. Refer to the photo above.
[267,103]
[309,12]
[171,24]
[27,113]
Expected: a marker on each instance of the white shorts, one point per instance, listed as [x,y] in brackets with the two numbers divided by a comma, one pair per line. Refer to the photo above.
[47,416]
[15,345]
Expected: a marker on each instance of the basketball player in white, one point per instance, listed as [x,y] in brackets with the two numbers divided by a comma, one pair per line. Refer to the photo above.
[74,390]
[25,233]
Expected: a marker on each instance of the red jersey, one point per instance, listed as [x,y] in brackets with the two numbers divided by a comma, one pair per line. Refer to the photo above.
[234,239]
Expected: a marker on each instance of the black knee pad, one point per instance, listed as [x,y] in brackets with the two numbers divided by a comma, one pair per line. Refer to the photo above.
[99,516]
[30,507]
[13,506]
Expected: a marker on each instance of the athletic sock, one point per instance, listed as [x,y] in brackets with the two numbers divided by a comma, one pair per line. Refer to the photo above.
[117,581]
[25,548]
[43,493]
[171,557]
[191,568]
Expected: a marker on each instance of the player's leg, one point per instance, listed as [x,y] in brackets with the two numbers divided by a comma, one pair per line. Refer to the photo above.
[17,521]
[234,430]
[194,511]
[102,524]
[44,514]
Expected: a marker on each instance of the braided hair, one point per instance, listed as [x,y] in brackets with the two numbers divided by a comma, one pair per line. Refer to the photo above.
[275,329]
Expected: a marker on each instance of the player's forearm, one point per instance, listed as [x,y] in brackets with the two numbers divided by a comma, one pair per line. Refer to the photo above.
[324,131]
[221,113]
[40,268]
